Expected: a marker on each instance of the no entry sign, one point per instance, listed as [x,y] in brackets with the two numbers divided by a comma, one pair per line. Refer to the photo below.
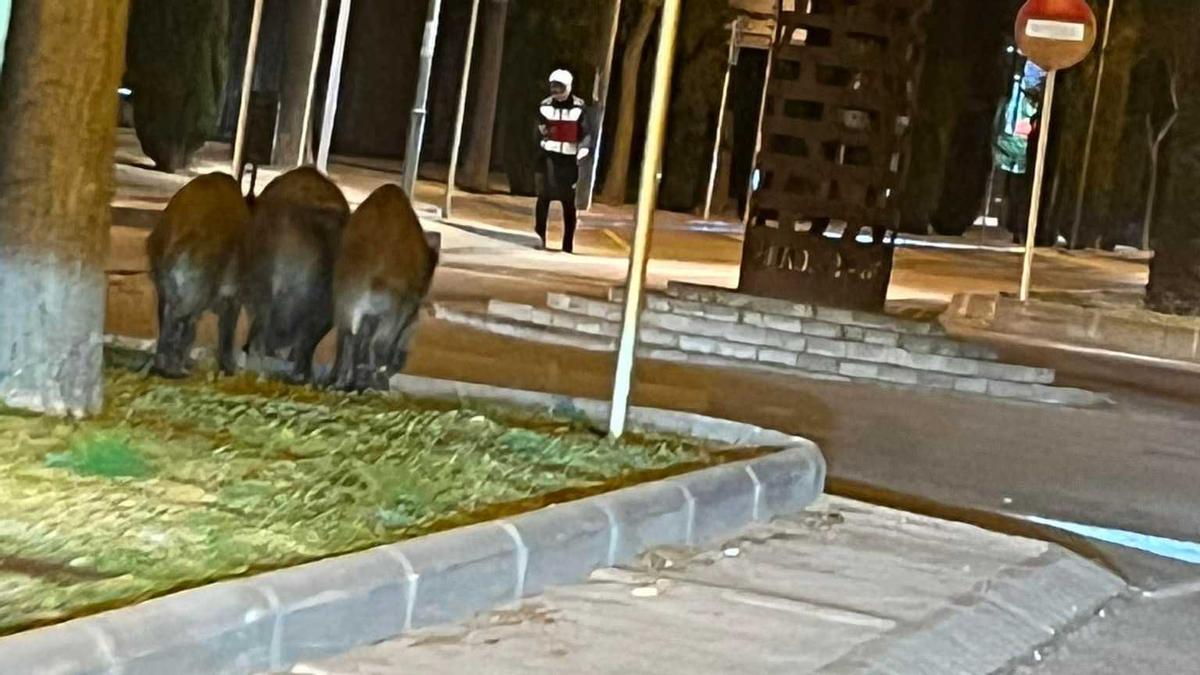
[1056,34]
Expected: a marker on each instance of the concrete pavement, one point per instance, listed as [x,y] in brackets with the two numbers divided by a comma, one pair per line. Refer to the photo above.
[840,588]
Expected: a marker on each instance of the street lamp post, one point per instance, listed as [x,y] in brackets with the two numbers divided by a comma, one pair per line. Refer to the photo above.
[335,84]
[239,139]
[416,127]
[716,156]
[664,62]
[318,42]
[456,146]
[600,98]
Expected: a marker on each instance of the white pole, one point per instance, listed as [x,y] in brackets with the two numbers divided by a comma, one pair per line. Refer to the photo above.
[1087,146]
[664,62]
[1039,174]
[416,127]
[456,146]
[335,84]
[716,157]
[762,113]
[239,139]
[600,96]
[318,42]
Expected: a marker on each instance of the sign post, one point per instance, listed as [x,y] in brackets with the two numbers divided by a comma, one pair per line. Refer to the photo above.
[1054,34]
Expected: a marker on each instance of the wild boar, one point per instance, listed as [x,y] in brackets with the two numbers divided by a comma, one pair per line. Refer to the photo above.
[287,268]
[383,273]
[193,253]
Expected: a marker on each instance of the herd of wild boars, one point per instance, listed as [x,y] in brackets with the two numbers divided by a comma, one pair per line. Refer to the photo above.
[300,264]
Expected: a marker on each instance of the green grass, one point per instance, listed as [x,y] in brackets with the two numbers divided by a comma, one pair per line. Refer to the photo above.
[180,484]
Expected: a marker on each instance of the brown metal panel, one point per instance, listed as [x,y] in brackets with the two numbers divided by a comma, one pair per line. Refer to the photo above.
[834,139]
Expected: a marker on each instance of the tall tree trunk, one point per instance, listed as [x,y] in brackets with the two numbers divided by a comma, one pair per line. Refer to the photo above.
[477,165]
[1175,269]
[58,109]
[616,183]
[302,19]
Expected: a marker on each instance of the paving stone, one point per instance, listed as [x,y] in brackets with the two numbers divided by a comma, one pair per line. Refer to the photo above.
[510,310]
[778,357]
[565,543]
[699,345]
[898,375]
[365,595]
[971,385]
[823,347]
[823,330]
[463,571]
[817,363]
[1004,389]
[735,350]
[859,370]
[783,323]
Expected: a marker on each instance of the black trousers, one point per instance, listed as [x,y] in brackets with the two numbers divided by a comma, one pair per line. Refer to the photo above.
[570,219]
[556,183]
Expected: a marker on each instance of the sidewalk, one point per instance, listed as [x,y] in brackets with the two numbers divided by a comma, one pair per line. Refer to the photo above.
[840,588]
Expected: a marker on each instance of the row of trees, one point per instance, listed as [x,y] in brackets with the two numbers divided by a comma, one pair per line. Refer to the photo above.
[183,59]
[1144,166]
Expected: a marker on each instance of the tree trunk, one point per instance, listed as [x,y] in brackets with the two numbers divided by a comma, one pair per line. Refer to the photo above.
[58,108]
[477,165]
[302,20]
[1175,269]
[616,183]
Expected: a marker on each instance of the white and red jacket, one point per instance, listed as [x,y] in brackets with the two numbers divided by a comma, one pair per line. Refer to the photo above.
[564,126]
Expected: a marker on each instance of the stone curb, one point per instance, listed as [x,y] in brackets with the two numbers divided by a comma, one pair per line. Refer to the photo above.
[1103,331]
[995,627]
[271,621]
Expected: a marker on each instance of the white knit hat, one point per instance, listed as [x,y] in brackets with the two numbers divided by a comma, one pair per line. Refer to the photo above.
[563,77]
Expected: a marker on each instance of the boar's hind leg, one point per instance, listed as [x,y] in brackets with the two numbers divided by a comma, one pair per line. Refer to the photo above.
[343,367]
[397,354]
[307,338]
[227,318]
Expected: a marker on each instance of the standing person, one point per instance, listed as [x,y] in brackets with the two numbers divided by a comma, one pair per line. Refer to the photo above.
[566,140]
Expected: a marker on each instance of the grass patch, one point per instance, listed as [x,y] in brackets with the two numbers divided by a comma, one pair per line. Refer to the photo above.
[178,484]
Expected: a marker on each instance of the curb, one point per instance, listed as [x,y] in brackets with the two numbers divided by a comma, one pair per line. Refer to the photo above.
[271,621]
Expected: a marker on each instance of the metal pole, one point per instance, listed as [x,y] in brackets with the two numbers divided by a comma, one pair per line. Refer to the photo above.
[1039,174]
[318,42]
[1087,146]
[416,128]
[239,140]
[456,146]
[335,84]
[656,127]
[762,112]
[600,96]
[716,157]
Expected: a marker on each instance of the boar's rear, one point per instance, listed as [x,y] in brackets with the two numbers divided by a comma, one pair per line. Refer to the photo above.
[383,274]
[193,262]
[287,266]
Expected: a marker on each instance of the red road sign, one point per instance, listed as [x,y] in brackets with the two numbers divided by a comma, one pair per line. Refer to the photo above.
[1056,34]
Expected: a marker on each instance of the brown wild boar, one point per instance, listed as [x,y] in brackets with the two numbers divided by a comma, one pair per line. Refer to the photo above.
[193,254]
[384,270]
[287,268]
